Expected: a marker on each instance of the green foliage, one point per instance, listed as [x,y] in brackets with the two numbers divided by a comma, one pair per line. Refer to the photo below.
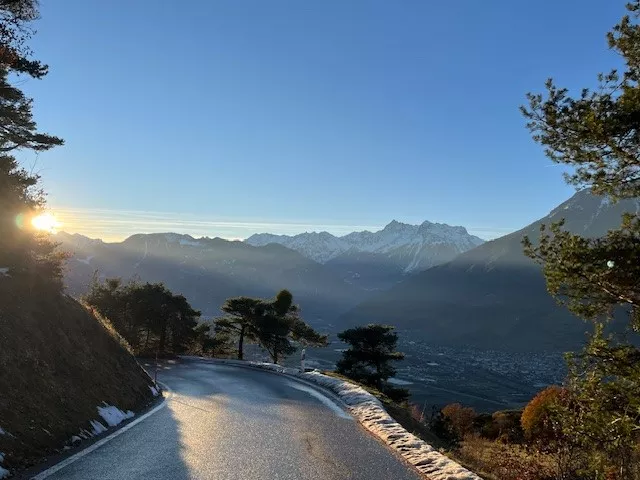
[240,320]
[593,277]
[18,127]
[29,255]
[280,326]
[368,360]
[209,342]
[596,132]
[275,324]
[597,135]
[604,415]
[150,317]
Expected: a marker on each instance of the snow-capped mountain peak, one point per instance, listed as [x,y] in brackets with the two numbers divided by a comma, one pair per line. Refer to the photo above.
[414,247]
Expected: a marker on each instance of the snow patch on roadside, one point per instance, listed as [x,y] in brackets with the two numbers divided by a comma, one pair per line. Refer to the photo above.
[3,471]
[369,411]
[154,391]
[97,427]
[4,272]
[113,415]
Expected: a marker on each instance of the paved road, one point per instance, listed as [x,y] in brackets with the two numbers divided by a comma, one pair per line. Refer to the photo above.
[224,422]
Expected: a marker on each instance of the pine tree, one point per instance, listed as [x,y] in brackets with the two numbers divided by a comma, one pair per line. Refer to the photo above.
[240,319]
[274,324]
[148,315]
[280,324]
[597,133]
[27,254]
[368,359]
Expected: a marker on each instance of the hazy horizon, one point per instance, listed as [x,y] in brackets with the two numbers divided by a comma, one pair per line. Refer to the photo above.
[115,226]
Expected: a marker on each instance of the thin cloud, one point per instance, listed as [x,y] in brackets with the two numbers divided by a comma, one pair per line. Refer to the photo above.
[116,225]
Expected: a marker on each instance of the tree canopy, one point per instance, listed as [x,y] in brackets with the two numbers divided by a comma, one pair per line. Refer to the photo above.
[597,134]
[274,323]
[240,320]
[26,253]
[371,353]
[149,316]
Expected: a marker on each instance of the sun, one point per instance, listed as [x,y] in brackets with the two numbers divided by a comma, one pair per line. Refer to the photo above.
[45,222]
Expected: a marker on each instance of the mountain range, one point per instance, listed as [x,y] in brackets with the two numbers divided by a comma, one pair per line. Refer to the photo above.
[494,296]
[209,270]
[434,282]
[327,274]
[378,260]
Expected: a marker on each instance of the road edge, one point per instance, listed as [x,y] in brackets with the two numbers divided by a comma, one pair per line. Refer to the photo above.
[42,475]
[372,415]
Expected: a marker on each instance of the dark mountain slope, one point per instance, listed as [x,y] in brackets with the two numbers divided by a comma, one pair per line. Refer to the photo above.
[207,271]
[493,296]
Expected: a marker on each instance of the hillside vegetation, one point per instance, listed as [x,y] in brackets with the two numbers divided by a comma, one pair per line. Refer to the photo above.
[58,363]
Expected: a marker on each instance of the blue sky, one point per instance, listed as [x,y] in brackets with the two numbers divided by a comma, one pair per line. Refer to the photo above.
[227,117]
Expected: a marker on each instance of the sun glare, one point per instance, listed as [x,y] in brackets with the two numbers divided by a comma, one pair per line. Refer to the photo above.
[45,222]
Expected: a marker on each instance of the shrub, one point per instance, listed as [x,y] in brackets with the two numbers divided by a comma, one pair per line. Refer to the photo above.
[461,418]
[507,425]
[538,418]
[398,395]
[495,460]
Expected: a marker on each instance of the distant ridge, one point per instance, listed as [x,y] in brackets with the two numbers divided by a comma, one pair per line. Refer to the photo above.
[409,248]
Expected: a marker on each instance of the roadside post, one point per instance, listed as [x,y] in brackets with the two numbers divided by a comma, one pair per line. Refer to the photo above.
[155,375]
[303,355]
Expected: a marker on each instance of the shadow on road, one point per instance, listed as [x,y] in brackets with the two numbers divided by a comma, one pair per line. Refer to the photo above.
[150,449]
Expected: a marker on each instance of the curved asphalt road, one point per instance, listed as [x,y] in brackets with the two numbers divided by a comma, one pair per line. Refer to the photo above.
[224,422]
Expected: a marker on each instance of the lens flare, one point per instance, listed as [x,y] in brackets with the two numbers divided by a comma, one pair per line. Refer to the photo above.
[45,222]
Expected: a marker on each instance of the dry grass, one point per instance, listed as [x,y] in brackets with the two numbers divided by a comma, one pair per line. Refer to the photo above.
[489,459]
[498,461]
[58,362]
[108,326]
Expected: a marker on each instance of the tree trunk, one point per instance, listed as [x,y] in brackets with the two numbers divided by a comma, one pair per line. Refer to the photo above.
[146,342]
[163,335]
[241,343]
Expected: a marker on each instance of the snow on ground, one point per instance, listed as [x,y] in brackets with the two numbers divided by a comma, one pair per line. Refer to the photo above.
[154,390]
[4,272]
[2,432]
[368,410]
[113,415]
[98,428]
[3,471]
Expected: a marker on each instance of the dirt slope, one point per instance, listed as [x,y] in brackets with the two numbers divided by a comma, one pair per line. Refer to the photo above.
[58,362]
